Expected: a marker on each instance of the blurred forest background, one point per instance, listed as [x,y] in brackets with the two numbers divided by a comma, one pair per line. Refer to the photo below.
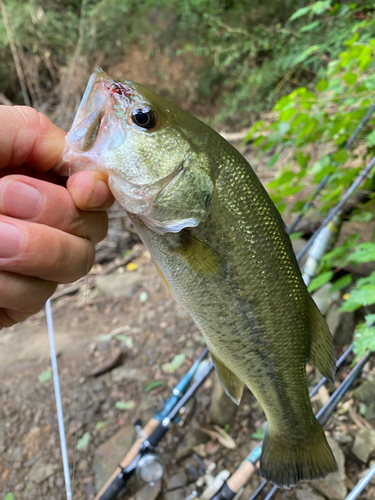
[299,75]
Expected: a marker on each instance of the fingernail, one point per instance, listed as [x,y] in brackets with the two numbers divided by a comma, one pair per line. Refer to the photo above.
[98,194]
[11,240]
[21,200]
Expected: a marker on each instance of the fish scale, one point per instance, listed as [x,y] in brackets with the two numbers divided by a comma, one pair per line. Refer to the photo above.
[222,247]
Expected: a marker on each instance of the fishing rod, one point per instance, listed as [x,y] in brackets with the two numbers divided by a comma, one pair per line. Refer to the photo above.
[141,459]
[325,411]
[242,475]
[338,207]
[325,179]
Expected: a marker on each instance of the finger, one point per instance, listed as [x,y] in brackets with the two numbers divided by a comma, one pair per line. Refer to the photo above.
[24,295]
[44,252]
[44,203]
[90,190]
[27,136]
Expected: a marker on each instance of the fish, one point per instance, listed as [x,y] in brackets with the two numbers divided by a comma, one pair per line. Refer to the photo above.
[223,250]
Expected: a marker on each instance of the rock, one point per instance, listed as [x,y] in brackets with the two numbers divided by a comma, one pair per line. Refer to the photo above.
[333,318]
[298,244]
[175,494]
[126,373]
[222,409]
[333,486]
[148,492]
[364,444]
[193,438]
[177,481]
[365,392]
[342,438]
[120,286]
[344,331]
[41,471]
[2,433]
[83,465]
[322,298]
[307,494]
[110,454]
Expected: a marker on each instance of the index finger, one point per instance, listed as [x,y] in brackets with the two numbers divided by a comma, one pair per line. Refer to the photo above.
[27,136]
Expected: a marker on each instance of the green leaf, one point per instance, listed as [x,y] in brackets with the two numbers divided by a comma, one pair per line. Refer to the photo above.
[284,178]
[350,78]
[340,283]
[320,280]
[125,405]
[100,425]
[365,252]
[364,338]
[287,114]
[302,159]
[310,26]
[153,385]
[259,433]
[44,376]
[341,156]
[84,441]
[363,296]
[9,496]
[295,236]
[271,162]
[370,139]
[174,364]
[300,12]
[322,85]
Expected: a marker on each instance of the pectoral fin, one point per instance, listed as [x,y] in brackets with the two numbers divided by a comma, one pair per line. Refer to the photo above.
[232,385]
[202,258]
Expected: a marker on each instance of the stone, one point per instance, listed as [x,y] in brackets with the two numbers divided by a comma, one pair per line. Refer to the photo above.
[333,318]
[342,438]
[177,481]
[323,299]
[83,465]
[126,373]
[175,494]
[148,403]
[344,332]
[110,454]
[148,492]
[333,486]
[120,286]
[222,409]
[307,494]
[365,392]
[41,471]
[193,438]
[364,444]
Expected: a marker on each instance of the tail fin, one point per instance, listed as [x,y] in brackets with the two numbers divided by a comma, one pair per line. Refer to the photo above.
[287,460]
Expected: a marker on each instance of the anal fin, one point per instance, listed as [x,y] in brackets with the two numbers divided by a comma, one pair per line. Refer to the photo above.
[232,385]
[322,354]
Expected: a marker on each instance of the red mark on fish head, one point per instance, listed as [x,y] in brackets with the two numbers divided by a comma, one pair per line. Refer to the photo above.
[120,90]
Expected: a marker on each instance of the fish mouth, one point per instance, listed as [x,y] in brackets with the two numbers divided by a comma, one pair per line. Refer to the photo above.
[96,133]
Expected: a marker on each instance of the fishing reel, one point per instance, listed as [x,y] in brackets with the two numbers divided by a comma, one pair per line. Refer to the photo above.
[150,469]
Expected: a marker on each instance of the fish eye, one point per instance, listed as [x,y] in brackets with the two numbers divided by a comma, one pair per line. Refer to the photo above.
[144,117]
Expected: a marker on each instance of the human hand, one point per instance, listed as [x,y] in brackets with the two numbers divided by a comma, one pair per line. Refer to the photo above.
[47,231]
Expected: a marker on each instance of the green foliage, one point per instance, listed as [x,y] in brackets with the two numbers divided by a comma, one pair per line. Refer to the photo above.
[322,118]
[365,336]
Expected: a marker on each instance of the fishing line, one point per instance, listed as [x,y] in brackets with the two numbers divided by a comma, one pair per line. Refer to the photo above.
[325,179]
[60,415]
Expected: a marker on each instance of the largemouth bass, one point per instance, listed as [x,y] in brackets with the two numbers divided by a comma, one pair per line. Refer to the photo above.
[220,244]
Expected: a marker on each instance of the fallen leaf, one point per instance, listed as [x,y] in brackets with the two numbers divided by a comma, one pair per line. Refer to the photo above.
[44,376]
[154,385]
[221,436]
[174,364]
[100,425]
[84,441]
[125,405]
[323,394]
[132,266]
